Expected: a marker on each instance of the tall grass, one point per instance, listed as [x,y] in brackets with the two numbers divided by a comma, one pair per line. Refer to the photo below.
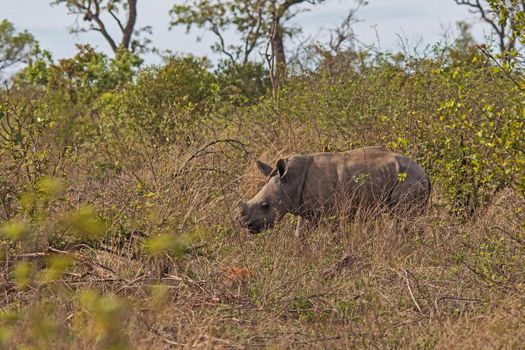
[118,203]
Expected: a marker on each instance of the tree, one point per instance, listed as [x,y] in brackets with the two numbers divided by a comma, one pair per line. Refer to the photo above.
[281,11]
[97,13]
[464,40]
[343,38]
[256,21]
[501,15]
[337,54]
[14,47]
[245,16]
[512,13]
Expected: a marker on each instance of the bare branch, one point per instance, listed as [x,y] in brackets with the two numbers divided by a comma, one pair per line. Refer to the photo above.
[119,23]
[92,11]
[222,45]
[102,29]
[506,40]
[253,35]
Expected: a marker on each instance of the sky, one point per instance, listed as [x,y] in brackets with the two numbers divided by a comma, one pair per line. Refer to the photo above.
[382,24]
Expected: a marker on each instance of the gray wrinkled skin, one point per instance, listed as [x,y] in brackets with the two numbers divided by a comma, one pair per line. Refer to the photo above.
[315,185]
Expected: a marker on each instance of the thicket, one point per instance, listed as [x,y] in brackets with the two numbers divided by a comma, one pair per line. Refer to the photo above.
[118,186]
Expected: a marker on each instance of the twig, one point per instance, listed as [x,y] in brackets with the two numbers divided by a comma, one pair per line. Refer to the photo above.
[135,280]
[460,299]
[82,258]
[509,234]
[50,250]
[315,340]
[486,52]
[410,290]
[201,151]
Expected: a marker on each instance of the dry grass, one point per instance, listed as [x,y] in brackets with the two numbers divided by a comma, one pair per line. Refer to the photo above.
[426,282]
[118,226]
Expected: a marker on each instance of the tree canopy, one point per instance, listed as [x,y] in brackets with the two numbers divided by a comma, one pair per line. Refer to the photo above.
[257,22]
[14,47]
[503,17]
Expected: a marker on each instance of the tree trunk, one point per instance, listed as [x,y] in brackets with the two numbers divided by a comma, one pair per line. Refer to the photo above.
[278,54]
[127,33]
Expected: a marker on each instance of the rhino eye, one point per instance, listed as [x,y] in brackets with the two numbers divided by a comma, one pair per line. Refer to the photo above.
[265,205]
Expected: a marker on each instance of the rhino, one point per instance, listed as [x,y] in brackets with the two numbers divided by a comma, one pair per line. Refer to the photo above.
[314,186]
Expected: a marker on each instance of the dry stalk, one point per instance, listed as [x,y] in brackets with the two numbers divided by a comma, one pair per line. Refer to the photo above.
[50,251]
[407,281]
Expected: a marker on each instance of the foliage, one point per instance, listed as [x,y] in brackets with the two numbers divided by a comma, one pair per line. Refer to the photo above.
[216,16]
[511,13]
[87,74]
[118,188]
[502,17]
[36,71]
[14,47]
[257,23]
[167,102]
[242,83]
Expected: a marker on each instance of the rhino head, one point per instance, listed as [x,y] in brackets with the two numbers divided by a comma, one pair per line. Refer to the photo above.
[280,195]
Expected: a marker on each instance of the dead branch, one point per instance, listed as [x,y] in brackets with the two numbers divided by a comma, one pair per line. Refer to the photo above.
[201,151]
[407,281]
[52,251]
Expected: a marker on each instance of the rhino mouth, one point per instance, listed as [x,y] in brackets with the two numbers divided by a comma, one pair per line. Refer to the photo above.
[256,227]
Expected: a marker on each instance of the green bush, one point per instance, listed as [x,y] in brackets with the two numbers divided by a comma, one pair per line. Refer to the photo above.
[168,102]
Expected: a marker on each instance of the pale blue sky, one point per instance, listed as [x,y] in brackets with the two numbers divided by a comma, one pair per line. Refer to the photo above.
[413,19]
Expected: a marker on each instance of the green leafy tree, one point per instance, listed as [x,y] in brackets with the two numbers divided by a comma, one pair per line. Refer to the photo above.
[256,22]
[511,13]
[36,71]
[15,47]
[503,16]
[87,74]
[216,16]
[97,13]
[242,83]
[170,102]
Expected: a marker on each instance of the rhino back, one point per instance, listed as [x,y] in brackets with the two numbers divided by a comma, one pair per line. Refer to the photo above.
[364,176]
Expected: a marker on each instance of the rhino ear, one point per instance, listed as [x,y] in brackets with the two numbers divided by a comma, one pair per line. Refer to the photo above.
[282,167]
[264,168]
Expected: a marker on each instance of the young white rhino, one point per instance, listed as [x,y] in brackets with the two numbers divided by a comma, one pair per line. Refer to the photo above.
[315,185]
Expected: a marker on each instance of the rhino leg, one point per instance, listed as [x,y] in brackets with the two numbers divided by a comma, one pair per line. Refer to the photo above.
[301,225]
[304,224]
[409,197]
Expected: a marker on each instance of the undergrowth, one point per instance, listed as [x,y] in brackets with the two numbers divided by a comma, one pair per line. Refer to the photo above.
[118,191]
